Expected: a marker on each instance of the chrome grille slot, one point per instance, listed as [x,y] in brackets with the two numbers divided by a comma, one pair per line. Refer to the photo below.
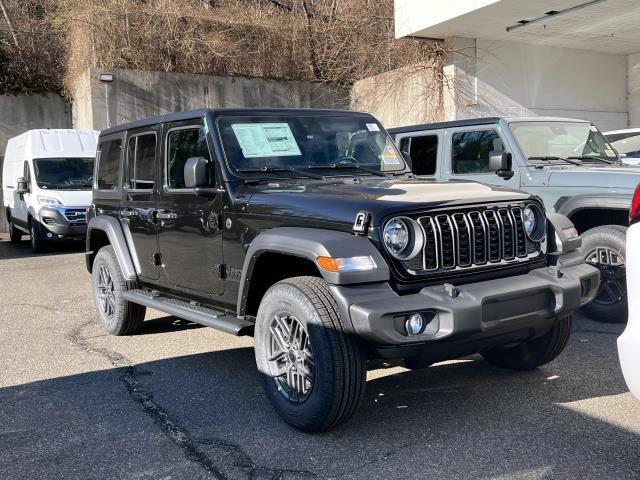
[508,234]
[463,236]
[75,215]
[467,239]
[479,238]
[494,236]
[521,237]
[447,241]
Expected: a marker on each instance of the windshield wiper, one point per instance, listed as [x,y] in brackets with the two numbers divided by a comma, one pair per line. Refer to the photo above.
[550,158]
[279,170]
[337,166]
[589,157]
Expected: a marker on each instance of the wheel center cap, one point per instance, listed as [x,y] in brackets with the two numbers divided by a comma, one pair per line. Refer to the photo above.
[292,356]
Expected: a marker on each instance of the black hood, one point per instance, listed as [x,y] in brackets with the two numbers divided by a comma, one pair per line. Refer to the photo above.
[340,199]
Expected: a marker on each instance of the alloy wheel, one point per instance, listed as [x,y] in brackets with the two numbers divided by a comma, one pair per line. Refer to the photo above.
[290,357]
[106,295]
[613,286]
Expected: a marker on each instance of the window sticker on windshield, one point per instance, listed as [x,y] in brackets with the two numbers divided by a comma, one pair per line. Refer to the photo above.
[372,127]
[265,139]
[389,156]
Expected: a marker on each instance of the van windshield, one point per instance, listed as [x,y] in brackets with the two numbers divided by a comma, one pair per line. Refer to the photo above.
[301,144]
[64,173]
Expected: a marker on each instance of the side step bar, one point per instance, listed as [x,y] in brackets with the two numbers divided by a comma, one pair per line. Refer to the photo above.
[193,313]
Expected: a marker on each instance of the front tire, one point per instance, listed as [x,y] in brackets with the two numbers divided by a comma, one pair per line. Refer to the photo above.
[312,370]
[38,243]
[533,353]
[116,315]
[605,249]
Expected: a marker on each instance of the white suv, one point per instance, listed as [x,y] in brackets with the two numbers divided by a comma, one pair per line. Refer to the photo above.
[629,341]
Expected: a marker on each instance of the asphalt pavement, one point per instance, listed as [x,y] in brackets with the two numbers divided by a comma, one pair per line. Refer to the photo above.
[180,401]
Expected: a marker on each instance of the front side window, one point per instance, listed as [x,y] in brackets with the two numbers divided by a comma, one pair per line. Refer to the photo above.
[470,150]
[183,144]
[284,142]
[109,165]
[424,154]
[541,140]
[142,161]
[63,173]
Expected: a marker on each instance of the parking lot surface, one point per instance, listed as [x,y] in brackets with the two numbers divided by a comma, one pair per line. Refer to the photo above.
[183,401]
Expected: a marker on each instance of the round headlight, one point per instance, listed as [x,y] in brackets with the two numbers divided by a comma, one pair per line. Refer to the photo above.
[530,221]
[396,236]
[403,238]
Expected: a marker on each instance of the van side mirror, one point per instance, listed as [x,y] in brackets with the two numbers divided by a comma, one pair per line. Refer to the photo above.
[195,172]
[500,163]
[22,186]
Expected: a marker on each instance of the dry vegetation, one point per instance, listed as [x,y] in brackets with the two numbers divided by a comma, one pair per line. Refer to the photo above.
[333,41]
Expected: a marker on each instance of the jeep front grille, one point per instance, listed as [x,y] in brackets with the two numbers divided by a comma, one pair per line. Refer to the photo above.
[473,238]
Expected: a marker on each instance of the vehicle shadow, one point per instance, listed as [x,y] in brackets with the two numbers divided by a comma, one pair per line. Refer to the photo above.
[23,249]
[464,419]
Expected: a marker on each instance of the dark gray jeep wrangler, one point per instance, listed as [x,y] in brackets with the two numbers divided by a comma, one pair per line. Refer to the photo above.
[306,229]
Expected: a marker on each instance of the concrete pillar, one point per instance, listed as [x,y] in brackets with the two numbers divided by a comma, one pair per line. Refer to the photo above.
[460,89]
[633,89]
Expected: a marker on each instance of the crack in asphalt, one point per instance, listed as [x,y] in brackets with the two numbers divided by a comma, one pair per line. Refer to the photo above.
[177,434]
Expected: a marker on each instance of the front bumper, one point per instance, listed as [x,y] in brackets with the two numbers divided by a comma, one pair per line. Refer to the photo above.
[629,341]
[55,220]
[520,306]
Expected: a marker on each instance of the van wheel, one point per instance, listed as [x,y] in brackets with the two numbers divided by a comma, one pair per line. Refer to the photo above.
[15,235]
[605,249]
[38,243]
[312,371]
[533,353]
[116,315]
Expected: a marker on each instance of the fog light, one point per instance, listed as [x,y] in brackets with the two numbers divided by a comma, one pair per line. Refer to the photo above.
[415,324]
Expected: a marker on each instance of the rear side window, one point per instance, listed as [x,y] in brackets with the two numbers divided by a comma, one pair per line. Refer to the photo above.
[109,165]
[424,154]
[183,144]
[470,150]
[141,162]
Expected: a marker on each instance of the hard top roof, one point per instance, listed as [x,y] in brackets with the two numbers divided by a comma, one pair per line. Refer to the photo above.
[477,121]
[216,112]
[53,143]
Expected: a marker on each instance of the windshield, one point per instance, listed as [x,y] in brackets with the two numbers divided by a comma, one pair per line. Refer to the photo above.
[627,143]
[64,173]
[297,144]
[543,140]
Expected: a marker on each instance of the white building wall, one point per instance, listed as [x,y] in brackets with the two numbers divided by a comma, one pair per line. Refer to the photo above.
[510,78]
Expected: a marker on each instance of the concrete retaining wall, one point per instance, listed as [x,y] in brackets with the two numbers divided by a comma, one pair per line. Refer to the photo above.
[137,94]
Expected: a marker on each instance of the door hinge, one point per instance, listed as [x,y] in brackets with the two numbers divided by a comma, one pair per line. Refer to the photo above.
[220,270]
[157,259]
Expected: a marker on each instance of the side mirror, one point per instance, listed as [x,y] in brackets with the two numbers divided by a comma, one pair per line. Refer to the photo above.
[500,163]
[22,186]
[195,172]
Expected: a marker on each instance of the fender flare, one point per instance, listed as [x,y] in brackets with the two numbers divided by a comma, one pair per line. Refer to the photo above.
[569,205]
[112,228]
[311,243]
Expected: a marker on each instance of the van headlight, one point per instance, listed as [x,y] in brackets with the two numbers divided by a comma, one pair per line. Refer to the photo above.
[403,238]
[49,201]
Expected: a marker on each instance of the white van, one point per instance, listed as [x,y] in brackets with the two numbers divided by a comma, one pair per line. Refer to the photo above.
[46,184]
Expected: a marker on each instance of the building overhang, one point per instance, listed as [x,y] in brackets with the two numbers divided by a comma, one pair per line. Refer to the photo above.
[609,26]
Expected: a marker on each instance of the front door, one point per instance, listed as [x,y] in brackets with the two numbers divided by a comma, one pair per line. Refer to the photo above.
[189,226]
[467,155]
[139,200]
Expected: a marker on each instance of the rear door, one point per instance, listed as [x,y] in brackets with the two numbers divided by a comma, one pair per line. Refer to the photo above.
[189,226]
[140,198]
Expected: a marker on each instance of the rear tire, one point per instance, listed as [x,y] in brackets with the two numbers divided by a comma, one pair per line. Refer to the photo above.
[608,243]
[116,315]
[38,243]
[15,235]
[533,353]
[312,370]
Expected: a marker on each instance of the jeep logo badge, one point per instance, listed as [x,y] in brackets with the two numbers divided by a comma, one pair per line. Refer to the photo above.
[362,222]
